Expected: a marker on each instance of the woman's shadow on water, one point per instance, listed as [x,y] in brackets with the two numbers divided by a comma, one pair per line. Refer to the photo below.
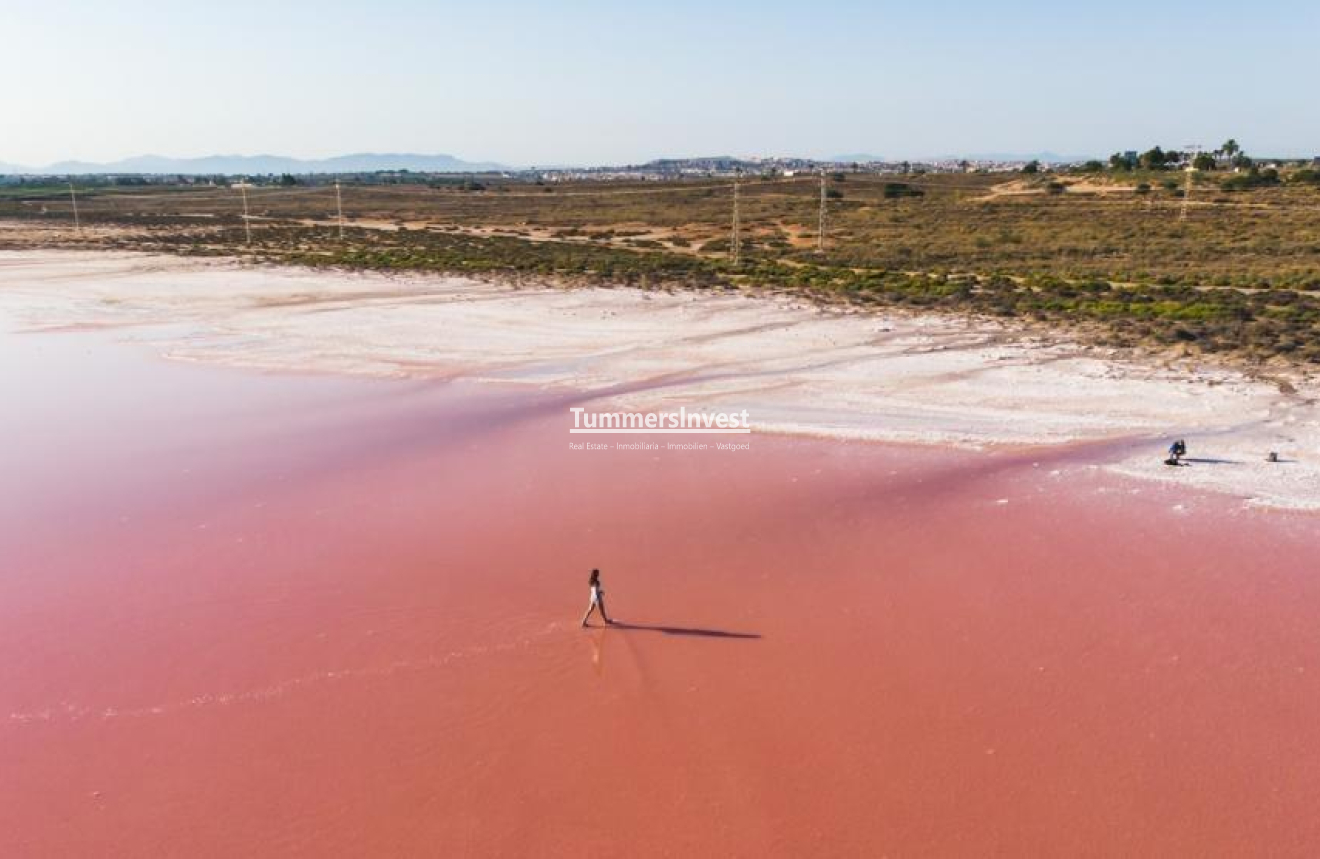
[682,630]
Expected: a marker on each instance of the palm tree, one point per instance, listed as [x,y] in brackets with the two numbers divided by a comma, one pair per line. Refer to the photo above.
[1230,148]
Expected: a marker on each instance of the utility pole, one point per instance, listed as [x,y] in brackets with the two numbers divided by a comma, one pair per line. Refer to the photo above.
[247,224]
[820,234]
[339,204]
[73,197]
[1195,150]
[735,240]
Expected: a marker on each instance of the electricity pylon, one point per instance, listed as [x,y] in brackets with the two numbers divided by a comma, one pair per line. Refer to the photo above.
[735,239]
[820,230]
[339,204]
[77,221]
[1195,150]
[247,224]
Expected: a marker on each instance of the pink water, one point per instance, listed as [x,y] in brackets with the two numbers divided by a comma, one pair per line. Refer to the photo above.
[253,615]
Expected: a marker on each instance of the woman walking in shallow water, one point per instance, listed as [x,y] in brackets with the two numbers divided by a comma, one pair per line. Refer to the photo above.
[597,599]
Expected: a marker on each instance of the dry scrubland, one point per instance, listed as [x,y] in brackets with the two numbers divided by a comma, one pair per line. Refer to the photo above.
[1240,277]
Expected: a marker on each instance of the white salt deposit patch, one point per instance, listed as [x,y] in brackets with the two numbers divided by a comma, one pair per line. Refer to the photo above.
[796,369]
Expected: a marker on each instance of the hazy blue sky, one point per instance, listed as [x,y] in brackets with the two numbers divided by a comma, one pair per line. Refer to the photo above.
[595,82]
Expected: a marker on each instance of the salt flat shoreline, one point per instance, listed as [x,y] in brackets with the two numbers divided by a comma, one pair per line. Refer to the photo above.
[798,369]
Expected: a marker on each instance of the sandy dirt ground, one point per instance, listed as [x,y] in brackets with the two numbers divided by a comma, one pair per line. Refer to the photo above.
[796,368]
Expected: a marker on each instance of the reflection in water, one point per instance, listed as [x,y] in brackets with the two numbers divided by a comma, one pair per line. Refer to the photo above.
[597,639]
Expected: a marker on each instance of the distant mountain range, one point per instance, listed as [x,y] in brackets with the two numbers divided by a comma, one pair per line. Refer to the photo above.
[364,162]
[368,162]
